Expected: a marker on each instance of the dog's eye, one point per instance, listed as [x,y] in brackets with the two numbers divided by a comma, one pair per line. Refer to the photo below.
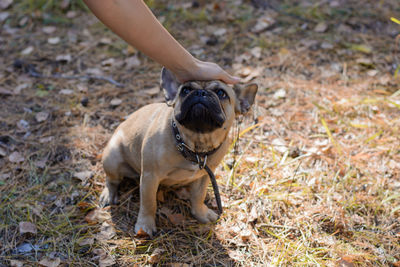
[186,90]
[221,93]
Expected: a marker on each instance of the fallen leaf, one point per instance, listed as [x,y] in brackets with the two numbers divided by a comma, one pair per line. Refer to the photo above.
[26,248]
[115,102]
[131,62]
[94,71]
[41,163]
[66,91]
[183,193]
[156,255]
[83,176]
[361,48]
[37,210]
[364,61]
[252,159]
[105,41]
[326,45]
[279,145]
[4,16]
[220,32]
[321,27]
[253,214]
[263,23]
[107,231]
[4,4]
[245,235]
[71,14]
[372,73]
[53,40]
[108,62]
[27,51]
[64,58]
[97,216]
[46,139]
[86,241]
[256,52]
[48,262]
[20,87]
[179,264]
[15,263]
[5,92]
[3,152]
[41,116]
[23,21]
[23,125]
[27,227]
[49,29]
[175,218]
[280,93]
[16,157]
[344,263]
[104,259]
[152,91]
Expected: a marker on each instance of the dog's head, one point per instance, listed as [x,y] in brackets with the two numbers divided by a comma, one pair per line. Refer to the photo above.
[205,106]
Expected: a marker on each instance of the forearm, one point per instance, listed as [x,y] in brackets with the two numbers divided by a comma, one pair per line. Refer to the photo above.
[133,21]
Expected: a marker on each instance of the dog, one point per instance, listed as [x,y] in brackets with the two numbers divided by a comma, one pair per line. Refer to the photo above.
[158,142]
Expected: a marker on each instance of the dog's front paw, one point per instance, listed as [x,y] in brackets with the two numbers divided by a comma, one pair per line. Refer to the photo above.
[203,214]
[108,197]
[146,224]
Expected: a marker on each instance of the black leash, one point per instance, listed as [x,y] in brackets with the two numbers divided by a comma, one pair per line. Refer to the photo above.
[200,159]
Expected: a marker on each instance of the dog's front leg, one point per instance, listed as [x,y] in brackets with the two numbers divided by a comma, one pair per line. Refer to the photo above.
[198,191]
[148,204]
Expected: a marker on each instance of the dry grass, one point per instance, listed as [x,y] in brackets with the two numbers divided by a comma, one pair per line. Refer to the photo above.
[315,182]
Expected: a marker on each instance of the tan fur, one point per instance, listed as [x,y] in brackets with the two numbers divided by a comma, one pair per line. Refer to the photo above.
[144,146]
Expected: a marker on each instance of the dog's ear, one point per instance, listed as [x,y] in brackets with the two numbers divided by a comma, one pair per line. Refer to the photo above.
[169,85]
[245,95]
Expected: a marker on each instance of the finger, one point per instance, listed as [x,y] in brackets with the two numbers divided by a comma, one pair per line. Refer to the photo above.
[227,78]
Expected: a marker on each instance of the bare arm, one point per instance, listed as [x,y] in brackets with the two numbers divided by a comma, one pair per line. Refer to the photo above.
[133,21]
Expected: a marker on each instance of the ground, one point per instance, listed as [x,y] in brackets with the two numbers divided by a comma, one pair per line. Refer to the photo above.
[314,178]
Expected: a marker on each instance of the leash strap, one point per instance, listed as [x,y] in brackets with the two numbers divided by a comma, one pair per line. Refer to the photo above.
[215,188]
[198,158]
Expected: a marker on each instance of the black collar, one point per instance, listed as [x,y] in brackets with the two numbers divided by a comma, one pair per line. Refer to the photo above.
[199,158]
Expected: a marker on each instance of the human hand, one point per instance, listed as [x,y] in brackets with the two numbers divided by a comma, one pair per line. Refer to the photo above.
[202,70]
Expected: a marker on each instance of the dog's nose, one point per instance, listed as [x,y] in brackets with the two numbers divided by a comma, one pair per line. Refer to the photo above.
[202,93]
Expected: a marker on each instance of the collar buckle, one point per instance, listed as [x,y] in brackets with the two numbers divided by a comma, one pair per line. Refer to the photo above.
[201,163]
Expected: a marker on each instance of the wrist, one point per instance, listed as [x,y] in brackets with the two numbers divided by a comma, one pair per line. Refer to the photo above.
[187,68]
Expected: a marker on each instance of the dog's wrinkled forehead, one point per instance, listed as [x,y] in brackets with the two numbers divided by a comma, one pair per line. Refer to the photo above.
[206,85]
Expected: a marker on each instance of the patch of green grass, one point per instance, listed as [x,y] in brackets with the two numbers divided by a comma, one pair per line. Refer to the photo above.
[29,6]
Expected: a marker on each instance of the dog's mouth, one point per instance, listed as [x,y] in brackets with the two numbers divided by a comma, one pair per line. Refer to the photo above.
[201,114]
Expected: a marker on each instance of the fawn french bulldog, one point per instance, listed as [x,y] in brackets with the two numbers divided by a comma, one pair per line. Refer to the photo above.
[155,142]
